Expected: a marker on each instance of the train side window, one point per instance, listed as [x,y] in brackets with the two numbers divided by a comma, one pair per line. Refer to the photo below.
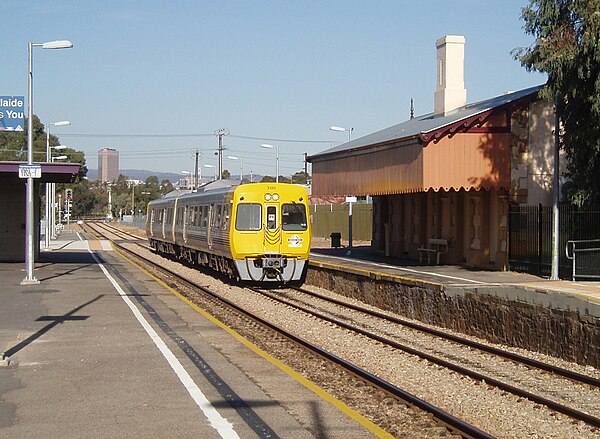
[272,217]
[225,217]
[217,218]
[248,216]
[197,211]
[204,222]
[189,220]
[293,217]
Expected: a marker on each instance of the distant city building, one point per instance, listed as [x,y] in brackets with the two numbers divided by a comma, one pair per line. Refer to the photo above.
[108,165]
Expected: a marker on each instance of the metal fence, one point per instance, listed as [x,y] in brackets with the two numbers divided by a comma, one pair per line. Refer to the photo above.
[530,237]
[585,258]
[134,221]
[330,218]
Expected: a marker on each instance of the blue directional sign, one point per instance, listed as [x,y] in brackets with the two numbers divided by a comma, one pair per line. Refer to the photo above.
[12,113]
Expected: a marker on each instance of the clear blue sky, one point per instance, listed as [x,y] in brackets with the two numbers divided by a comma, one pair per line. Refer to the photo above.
[155,79]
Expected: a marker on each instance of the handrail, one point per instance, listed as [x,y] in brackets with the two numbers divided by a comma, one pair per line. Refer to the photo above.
[571,250]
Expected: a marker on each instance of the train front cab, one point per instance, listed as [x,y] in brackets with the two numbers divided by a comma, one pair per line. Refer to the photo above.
[270,233]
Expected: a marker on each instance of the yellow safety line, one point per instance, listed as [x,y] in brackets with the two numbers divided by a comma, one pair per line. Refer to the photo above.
[375,429]
[562,290]
[379,273]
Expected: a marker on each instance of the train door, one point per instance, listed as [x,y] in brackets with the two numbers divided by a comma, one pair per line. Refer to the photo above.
[272,229]
[211,212]
[184,220]
[151,222]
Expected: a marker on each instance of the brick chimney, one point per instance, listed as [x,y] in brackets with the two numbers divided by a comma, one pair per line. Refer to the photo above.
[450,92]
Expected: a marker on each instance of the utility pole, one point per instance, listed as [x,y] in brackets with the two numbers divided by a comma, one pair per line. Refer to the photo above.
[220,133]
[196,171]
[305,167]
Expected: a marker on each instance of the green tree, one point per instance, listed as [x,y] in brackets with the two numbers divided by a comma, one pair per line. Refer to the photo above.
[152,181]
[165,186]
[225,175]
[13,146]
[267,179]
[567,48]
[300,177]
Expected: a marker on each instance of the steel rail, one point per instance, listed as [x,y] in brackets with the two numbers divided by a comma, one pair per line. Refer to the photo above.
[571,412]
[575,376]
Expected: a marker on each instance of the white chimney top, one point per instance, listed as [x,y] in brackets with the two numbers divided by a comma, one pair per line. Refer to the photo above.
[450,92]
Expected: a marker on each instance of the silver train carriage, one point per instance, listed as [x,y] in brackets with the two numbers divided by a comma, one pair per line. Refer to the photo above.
[251,232]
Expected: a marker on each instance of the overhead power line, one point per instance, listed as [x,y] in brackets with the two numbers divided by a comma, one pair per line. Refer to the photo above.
[270,139]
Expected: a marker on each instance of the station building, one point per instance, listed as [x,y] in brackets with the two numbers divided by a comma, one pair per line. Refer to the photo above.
[449,175]
[13,205]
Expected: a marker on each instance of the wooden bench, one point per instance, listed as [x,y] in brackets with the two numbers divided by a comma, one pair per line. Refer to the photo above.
[434,246]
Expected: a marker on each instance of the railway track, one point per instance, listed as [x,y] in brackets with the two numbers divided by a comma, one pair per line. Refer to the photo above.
[419,411]
[563,397]
[574,394]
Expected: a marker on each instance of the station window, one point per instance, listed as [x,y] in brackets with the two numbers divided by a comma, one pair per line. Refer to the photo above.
[293,217]
[248,216]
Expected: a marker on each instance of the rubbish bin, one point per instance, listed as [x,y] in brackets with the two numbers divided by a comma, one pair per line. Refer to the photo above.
[336,239]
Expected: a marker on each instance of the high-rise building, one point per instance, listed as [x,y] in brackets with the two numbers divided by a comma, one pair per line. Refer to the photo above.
[108,165]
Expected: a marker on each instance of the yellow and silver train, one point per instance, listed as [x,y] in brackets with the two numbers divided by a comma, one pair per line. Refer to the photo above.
[257,232]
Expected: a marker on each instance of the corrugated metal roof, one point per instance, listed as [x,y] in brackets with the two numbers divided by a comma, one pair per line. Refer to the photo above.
[428,122]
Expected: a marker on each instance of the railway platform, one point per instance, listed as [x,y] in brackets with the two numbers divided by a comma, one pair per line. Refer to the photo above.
[100,349]
[582,296]
[556,318]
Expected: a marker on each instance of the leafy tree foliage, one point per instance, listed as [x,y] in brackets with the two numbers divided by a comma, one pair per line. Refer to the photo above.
[13,146]
[300,177]
[267,179]
[567,48]
[166,186]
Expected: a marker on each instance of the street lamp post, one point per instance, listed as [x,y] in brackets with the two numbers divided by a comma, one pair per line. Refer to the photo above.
[232,157]
[49,185]
[341,129]
[267,146]
[132,199]
[53,195]
[29,211]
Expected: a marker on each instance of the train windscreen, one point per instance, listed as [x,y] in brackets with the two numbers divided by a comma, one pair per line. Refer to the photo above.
[248,216]
[293,217]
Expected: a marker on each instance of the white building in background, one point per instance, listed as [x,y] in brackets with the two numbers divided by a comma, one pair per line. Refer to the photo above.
[108,165]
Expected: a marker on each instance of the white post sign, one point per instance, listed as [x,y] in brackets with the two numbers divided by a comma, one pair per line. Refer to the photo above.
[30,171]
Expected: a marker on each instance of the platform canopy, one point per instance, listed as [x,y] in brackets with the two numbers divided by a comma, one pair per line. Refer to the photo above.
[468,148]
[51,172]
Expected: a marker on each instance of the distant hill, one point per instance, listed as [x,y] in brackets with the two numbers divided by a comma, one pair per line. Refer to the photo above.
[139,174]
[142,175]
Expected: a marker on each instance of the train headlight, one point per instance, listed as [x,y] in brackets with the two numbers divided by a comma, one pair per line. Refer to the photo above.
[275,197]
[267,197]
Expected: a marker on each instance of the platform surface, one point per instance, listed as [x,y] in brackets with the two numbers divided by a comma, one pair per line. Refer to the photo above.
[99,349]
